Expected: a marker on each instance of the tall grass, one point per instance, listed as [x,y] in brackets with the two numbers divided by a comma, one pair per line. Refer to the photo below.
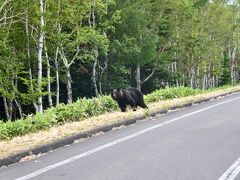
[80,110]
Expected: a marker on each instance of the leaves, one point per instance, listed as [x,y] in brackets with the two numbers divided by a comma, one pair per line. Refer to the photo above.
[175,43]
[78,111]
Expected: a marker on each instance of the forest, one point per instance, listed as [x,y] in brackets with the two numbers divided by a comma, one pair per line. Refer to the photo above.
[56,51]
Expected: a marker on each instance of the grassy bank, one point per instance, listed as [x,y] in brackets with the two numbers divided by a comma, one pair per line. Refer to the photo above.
[87,114]
[80,110]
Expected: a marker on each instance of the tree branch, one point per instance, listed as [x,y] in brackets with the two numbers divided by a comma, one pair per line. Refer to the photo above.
[63,56]
[154,68]
[75,56]
[4,4]
[150,75]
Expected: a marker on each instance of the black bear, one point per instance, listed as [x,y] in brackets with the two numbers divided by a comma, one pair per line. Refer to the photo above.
[131,96]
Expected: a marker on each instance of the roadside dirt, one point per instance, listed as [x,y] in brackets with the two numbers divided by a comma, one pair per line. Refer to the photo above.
[29,141]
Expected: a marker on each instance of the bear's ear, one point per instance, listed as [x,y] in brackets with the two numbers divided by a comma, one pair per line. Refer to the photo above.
[111,90]
[120,92]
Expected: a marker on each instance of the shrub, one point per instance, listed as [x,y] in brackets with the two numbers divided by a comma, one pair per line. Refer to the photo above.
[171,93]
[81,109]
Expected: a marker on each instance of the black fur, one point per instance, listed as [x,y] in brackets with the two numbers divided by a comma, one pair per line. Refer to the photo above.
[131,96]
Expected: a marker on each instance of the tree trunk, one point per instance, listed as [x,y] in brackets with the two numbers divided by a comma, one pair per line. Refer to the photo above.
[6,108]
[10,109]
[138,77]
[100,80]
[40,50]
[100,88]
[102,70]
[198,79]
[204,81]
[57,76]
[68,73]
[69,85]
[56,56]
[28,61]
[92,25]
[175,53]
[213,81]
[94,77]
[48,69]
[48,78]
[174,70]
[175,67]
[19,108]
[234,72]
[191,74]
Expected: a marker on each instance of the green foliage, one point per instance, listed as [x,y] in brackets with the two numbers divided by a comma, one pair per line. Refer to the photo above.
[171,93]
[184,43]
[80,110]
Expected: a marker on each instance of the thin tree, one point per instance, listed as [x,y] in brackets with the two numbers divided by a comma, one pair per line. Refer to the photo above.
[40,52]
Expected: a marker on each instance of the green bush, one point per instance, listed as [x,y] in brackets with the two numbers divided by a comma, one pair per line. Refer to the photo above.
[81,109]
[171,93]
[58,115]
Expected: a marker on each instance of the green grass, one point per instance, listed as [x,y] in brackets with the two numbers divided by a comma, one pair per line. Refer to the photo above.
[81,109]
[171,93]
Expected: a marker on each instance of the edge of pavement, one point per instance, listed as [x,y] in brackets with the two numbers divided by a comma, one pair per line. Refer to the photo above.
[6,161]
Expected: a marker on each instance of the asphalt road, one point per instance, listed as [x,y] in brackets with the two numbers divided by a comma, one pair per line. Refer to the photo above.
[201,142]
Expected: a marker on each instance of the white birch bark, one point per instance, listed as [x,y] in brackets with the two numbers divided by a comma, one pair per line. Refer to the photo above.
[57,76]
[234,73]
[204,82]
[56,55]
[138,76]
[69,85]
[6,108]
[48,68]
[102,70]
[48,77]
[40,50]
[67,65]
[94,77]
[175,53]
[149,76]
[234,66]
[94,70]
[18,104]
[198,79]
[192,77]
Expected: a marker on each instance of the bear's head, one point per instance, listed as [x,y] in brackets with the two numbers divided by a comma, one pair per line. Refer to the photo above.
[116,94]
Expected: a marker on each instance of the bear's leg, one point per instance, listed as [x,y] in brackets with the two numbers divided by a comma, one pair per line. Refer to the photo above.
[123,107]
[133,106]
[141,103]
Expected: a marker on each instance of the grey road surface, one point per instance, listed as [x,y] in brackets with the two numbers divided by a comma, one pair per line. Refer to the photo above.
[201,142]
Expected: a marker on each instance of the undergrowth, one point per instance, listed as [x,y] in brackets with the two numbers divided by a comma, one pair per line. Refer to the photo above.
[80,110]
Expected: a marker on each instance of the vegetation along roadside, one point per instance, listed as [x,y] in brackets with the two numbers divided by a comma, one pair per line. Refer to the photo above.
[86,114]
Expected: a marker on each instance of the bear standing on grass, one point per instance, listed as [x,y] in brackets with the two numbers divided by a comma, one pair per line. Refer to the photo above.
[131,96]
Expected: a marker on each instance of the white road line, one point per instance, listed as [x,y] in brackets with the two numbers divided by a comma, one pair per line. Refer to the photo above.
[232,172]
[138,133]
